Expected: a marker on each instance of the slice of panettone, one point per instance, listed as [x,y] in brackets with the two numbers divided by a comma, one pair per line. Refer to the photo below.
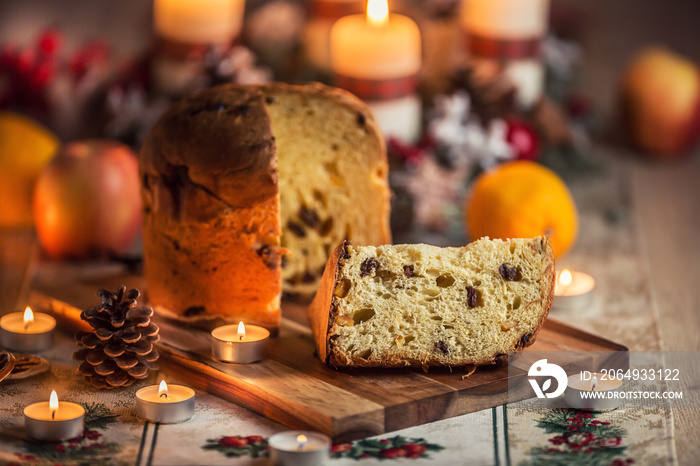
[420,305]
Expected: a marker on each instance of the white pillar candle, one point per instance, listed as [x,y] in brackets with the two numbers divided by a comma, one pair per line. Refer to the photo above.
[242,344]
[509,32]
[299,448]
[377,56]
[589,382]
[53,420]
[198,22]
[27,331]
[573,290]
[165,403]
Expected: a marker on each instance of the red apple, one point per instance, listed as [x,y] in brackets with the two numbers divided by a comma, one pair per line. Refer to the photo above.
[87,200]
[661,99]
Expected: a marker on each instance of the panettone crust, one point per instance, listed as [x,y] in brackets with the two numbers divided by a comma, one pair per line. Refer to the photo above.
[211,194]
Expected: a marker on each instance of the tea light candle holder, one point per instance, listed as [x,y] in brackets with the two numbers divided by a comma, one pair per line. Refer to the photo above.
[27,332]
[299,448]
[592,382]
[573,290]
[53,420]
[242,344]
[167,404]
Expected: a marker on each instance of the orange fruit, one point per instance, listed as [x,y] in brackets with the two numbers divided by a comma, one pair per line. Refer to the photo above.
[522,200]
[25,147]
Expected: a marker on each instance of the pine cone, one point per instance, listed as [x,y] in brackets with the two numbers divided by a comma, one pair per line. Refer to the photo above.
[491,93]
[120,350]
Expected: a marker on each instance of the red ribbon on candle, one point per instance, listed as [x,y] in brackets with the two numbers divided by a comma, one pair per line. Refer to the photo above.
[334,10]
[190,51]
[378,89]
[508,49]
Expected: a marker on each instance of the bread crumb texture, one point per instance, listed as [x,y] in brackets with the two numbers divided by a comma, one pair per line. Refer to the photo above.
[332,179]
[424,305]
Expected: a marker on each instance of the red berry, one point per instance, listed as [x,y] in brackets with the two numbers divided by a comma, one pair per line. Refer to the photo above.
[415,448]
[8,57]
[49,42]
[523,139]
[41,75]
[255,438]
[25,62]
[341,447]
[233,442]
[393,453]
[77,64]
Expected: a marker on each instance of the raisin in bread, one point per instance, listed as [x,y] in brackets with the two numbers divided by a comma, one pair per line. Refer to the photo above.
[420,305]
[236,176]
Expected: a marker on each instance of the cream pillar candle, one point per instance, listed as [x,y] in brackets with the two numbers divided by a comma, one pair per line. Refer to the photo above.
[377,56]
[510,33]
[188,31]
[198,22]
[317,31]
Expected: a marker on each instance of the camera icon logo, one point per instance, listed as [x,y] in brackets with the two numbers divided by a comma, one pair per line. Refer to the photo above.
[542,368]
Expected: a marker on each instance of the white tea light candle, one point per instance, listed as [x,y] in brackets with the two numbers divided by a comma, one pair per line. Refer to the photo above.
[589,382]
[53,420]
[27,331]
[299,448]
[242,344]
[377,57]
[573,290]
[168,404]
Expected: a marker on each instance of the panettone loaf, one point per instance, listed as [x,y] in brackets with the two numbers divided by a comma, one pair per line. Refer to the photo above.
[420,305]
[235,177]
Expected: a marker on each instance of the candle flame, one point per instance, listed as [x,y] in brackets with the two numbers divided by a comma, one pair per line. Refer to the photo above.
[377,12]
[565,277]
[28,317]
[241,331]
[163,389]
[301,441]
[53,403]
[594,382]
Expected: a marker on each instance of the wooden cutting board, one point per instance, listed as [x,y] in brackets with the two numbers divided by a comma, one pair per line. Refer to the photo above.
[292,387]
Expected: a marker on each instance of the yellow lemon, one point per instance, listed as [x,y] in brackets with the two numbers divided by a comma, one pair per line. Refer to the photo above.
[25,147]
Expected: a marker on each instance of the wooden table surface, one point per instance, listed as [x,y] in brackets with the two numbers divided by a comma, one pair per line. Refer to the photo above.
[664,198]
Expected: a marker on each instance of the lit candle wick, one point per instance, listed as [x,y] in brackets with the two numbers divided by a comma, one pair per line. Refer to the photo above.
[53,404]
[28,317]
[301,441]
[163,389]
[565,280]
[377,13]
[594,382]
